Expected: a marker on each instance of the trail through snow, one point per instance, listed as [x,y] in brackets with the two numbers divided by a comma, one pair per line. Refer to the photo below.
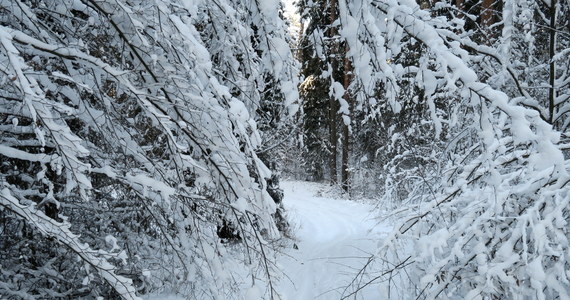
[335,238]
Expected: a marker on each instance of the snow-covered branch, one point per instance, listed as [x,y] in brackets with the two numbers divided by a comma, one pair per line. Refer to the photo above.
[60,231]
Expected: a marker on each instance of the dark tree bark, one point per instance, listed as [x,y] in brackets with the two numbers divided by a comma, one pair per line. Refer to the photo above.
[552,71]
[461,7]
[333,106]
[345,127]
[487,18]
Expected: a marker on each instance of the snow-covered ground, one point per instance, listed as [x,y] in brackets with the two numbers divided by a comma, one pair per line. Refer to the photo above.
[334,237]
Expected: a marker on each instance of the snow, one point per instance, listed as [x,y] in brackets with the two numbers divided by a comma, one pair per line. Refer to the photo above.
[111,242]
[335,237]
[164,296]
[336,90]
[241,205]
[210,70]
[253,293]
[61,232]
[146,181]
[19,154]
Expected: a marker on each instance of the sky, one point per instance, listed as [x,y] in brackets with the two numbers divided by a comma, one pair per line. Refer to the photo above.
[289,8]
[292,16]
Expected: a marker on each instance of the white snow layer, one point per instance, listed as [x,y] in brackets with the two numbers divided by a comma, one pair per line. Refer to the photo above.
[335,238]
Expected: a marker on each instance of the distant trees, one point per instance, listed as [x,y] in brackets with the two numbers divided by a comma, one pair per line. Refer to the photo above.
[341,61]
[128,139]
[320,68]
[328,43]
[326,70]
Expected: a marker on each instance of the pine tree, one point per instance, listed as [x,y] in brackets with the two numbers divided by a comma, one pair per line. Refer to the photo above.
[326,72]
[320,67]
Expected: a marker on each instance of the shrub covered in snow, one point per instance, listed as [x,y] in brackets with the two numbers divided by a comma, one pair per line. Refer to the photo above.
[128,139]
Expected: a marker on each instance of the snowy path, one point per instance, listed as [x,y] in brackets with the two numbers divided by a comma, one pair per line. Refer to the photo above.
[335,238]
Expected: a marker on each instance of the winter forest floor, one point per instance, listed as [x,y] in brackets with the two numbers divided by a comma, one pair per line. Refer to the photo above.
[335,237]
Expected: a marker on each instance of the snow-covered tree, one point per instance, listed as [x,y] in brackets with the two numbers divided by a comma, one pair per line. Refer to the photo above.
[486,180]
[348,69]
[320,67]
[129,143]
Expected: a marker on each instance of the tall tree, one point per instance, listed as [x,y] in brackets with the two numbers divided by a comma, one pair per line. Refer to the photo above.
[345,184]
[325,58]
[322,61]
[335,55]
[552,62]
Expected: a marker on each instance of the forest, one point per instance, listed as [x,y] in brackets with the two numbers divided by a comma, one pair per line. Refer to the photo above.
[144,145]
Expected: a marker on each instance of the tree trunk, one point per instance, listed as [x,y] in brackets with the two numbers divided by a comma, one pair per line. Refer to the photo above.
[345,127]
[487,15]
[461,7]
[333,135]
[299,52]
[551,53]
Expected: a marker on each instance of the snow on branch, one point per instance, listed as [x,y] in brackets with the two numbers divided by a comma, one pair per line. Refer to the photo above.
[494,224]
[135,107]
[60,231]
